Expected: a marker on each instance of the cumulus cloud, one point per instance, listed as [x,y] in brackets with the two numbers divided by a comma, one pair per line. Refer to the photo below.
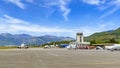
[14,25]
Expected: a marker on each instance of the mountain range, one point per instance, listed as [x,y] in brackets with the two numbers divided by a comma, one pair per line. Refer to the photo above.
[17,39]
[105,36]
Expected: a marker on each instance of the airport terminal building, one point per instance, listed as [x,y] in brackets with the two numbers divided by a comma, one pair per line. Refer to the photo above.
[80,41]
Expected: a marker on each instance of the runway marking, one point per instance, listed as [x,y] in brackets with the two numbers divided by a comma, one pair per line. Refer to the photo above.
[52,54]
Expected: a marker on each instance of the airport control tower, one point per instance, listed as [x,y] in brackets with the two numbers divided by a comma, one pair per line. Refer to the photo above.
[80,43]
[79,37]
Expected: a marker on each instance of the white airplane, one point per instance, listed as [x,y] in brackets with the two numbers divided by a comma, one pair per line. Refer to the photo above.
[71,46]
[114,47]
[22,46]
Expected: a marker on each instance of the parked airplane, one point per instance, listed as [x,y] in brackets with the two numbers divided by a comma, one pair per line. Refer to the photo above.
[71,46]
[22,46]
[114,47]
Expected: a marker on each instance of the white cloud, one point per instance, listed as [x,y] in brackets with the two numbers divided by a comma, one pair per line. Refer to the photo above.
[17,2]
[106,25]
[64,8]
[116,2]
[94,2]
[86,30]
[12,20]
[100,27]
[111,6]
[115,5]
[13,25]
[62,5]
[109,12]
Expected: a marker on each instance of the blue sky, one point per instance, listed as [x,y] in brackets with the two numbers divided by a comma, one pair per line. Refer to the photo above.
[58,17]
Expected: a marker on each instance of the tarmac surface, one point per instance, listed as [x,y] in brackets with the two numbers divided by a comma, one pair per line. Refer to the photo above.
[58,58]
